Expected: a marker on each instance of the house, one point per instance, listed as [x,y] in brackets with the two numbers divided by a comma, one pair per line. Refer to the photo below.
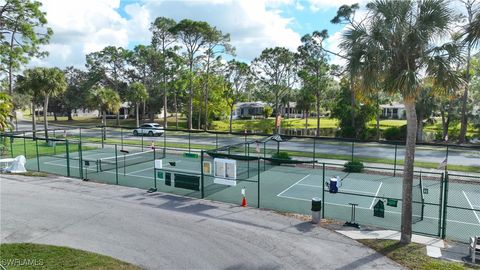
[393,111]
[249,110]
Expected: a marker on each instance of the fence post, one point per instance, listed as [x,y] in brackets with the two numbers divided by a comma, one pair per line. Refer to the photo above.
[11,146]
[164,140]
[323,190]
[216,140]
[121,136]
[445,206]
[258,183]
[189,132]
[68,157]
[24,145]
[38,159]
[103,136]
[440,208]
[116,165]
[353,148]
[314,145]
[395,161]
[142,139]
[202,174]
[80,160]
[80,134]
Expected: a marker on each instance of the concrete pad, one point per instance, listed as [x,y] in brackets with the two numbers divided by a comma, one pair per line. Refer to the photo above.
[434,252]
[393,235]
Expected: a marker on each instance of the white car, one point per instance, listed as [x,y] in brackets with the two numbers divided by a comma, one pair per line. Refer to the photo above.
[150,129]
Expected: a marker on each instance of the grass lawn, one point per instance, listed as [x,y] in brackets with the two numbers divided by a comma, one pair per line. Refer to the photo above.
[35,256]
[413,256]
[28,148]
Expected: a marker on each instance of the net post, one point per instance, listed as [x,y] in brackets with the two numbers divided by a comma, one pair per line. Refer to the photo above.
[38,158]
[202,174]
[24,145]
[116,165]
[121,136]
[68,157]
[395,161]
[445,204]
[323,190]
[258,183]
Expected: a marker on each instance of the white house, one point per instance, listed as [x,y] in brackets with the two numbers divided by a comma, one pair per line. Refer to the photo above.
[249,109]
[393,111]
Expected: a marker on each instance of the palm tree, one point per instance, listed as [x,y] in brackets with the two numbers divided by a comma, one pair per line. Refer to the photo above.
[106,100]
[137,93]
[473,30]
[392,49]
[42,83]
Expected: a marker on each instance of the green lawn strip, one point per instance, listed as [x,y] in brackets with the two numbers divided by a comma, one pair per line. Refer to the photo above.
[412,256]
[36,256]
[30,151]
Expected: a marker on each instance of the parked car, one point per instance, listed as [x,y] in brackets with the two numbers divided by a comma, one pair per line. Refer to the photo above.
[150,129]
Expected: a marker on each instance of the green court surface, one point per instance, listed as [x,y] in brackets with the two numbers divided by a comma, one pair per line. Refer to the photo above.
[291,189]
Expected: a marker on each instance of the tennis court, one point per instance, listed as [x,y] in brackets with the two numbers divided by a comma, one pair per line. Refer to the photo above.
[286,188]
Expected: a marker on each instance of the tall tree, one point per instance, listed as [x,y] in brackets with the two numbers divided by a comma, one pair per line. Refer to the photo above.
[162,39]
[216,43]
[237,78]
[276,68]
[314,68]
[192,35]
[43,83]
[22,32]
[109,66]
[391,50]
[472,9]
[137,93]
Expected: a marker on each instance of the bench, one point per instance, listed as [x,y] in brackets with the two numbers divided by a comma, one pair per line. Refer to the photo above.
[474,247]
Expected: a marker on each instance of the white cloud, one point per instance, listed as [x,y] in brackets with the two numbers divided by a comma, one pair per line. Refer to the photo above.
[317,5]
[81,27]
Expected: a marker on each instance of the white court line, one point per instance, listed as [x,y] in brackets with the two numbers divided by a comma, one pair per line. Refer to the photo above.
[307,185]
[387,211]
[134,172]
[471,206]
[293,185]
[376,194]
[357,191]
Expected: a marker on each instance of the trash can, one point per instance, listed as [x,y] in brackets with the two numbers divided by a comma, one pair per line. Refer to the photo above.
[333,185]
[316,209]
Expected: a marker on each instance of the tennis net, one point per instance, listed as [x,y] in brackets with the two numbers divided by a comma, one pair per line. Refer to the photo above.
[124,160]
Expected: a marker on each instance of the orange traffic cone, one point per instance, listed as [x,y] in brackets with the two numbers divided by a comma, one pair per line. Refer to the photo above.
[244,202]
[244,198]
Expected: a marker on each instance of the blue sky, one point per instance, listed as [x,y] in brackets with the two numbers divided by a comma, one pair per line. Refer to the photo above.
[85,26]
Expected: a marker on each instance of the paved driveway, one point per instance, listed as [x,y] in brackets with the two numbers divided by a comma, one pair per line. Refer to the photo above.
[162,231]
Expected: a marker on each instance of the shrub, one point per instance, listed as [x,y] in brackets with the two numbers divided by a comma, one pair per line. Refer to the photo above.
[353,166]
[282,155]
[267,111]
[396,133]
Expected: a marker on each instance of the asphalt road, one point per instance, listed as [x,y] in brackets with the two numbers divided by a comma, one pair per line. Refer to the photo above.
[457,156]
[161,231]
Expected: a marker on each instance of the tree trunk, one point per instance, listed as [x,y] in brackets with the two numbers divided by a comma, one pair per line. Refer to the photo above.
[406,227]
[165,116]
[45,120]
[306,120]
[288,110]
[464,117]
[143,112]
[55,116]
[378,126]
[176,109]
[420,117]
[34,121]
[352,100]
[118,118]
[318,112]
[69,115]
[137,116]
[231,118]
[199,122]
